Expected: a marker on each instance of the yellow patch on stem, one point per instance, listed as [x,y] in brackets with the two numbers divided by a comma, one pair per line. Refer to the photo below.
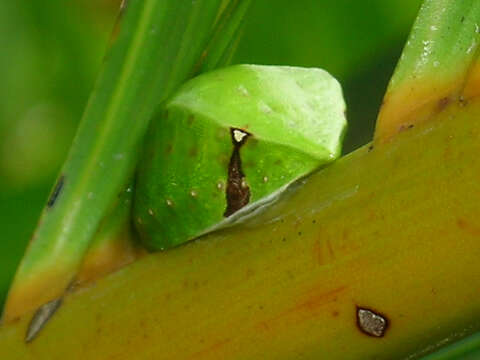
[108,257]
[35,290]
[412,103]
[418,100]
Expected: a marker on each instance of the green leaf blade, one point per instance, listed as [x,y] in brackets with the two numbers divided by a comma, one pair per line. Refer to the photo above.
[157,46]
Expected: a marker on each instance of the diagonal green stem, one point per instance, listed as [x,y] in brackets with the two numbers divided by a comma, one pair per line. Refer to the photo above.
[223,43]
[435,68]
[466,349]
[157,45]
[109,248]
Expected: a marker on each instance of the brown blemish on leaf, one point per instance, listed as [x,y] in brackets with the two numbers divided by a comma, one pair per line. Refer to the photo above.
[404,127]
[263,325]
[249,273]
[56,192]
[468,227]
[237,192]
[118,23]
[317,252]
[330,248]
[322,250]
[305,308]
[215,347]
[442,104]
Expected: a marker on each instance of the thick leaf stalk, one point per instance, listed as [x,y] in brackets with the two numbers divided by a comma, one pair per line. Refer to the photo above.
[383,230]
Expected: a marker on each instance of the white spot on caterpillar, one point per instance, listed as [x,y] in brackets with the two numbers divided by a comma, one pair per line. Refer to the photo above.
[139,220]
[169,202]
[193,193]
[471,47]
[150,211]
[265,179]
[244,184]
[219,185]
[264,107]
[239,135]
[242,90]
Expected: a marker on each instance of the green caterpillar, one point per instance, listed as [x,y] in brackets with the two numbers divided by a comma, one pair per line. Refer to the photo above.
[228,141]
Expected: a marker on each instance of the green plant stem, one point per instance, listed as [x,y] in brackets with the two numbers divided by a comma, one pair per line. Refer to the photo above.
[115,229]
[157,45]
[382,228]
[225,38]
[466,349]
[435,68]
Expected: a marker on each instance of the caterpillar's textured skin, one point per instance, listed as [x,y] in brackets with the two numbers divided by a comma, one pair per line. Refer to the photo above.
[232,137]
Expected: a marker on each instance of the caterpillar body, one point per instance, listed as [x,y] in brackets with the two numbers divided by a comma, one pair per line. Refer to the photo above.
[228,139]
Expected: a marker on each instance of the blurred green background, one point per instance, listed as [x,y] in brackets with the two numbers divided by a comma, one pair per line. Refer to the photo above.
[51,51]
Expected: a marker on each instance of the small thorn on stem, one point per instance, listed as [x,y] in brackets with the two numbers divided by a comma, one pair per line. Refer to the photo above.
[41,317]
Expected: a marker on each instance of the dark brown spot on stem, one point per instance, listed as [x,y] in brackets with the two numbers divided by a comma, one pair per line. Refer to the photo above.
[371,322]
[404,127]
[56,192]
[238,192]
[442,103]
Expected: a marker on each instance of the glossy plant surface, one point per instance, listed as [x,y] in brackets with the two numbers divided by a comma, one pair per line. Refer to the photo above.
[391,229]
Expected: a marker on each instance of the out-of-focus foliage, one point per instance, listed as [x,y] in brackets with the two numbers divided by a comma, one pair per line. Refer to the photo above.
[50,54]
[51,51]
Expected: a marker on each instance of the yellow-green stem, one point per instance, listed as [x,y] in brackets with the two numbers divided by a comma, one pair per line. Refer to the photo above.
[393,229]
